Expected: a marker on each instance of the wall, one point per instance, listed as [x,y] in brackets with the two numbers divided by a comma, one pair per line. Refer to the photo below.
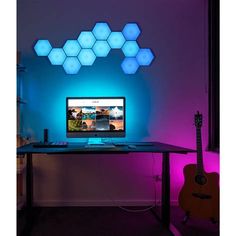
[161,99]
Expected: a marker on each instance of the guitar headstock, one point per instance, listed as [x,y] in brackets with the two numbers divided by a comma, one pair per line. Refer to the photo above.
[198,119]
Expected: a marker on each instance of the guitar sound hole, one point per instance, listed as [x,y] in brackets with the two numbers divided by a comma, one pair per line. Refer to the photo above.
[200,179]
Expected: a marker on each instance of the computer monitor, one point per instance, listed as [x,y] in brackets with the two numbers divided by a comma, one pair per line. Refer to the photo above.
[95,117]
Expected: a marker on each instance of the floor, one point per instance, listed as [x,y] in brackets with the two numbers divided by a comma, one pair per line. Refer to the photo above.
[107,221]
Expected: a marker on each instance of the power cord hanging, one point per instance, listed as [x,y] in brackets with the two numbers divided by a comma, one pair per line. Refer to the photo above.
[134,210]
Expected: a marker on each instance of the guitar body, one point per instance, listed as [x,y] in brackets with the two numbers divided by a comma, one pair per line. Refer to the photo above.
[199,196]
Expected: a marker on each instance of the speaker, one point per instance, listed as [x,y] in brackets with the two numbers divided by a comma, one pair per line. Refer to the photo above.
[45,135]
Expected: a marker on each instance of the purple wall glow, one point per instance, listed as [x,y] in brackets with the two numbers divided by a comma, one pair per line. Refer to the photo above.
[176,30]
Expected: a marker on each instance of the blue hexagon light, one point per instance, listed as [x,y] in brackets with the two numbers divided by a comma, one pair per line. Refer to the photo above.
[57,56]
[130,48]
[71,65]
[98,43]
[116,40]
[86,57]
[72,48]
[129,65]
[145,57]
[131,31]
[101,48]
[86,39]
[42,47]
[101,31]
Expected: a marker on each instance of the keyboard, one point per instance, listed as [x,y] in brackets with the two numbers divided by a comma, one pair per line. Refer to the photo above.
[134,144]
[50,144]
[100,146]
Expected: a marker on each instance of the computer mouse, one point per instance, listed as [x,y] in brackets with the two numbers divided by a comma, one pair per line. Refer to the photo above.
[132,146]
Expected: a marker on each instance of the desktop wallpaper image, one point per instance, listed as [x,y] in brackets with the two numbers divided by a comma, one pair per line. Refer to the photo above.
[161,99]
[95,118]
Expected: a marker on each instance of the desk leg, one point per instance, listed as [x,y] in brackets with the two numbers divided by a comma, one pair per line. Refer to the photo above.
[165,203]
[29,181]
[29,197]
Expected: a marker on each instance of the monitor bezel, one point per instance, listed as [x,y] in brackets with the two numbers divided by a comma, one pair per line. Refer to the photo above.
[97,133]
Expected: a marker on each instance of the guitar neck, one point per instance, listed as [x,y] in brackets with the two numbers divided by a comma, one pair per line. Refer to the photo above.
[200,167]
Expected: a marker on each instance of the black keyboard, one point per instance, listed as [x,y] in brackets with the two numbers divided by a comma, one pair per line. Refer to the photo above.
[100,146]
[50,144]
[134,143]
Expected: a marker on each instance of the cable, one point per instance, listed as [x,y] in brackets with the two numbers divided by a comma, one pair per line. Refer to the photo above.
[155,187]
[155,192]
[133,210]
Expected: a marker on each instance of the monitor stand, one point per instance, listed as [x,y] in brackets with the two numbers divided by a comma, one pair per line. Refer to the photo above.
[97,143]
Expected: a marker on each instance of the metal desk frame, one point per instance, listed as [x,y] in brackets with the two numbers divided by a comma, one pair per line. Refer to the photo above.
[78,148]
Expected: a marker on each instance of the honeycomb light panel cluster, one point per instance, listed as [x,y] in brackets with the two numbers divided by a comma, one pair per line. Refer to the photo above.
[89,45]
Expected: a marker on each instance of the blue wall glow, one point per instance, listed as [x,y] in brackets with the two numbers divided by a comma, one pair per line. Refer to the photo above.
[47,95]
[100,40]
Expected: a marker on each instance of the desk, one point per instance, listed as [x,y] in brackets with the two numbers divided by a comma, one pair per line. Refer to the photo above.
[121,148]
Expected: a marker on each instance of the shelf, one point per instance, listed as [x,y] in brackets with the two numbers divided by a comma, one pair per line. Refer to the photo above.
[20,168]
[20,202]
[21,68]
[20,100]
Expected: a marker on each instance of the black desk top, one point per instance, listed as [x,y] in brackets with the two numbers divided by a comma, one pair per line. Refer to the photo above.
[79,148]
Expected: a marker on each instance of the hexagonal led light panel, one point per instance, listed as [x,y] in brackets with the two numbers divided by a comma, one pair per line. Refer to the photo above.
[57,56]
[131,31]
[116,40]
[129,65]
[86,39]
[71,65]
[130,48]
[101,48]
[101,31]
[98,43]
[145,57]
[72,48]
[86,57]
[42,47]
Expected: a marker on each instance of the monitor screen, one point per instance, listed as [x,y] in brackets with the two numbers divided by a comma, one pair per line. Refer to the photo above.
[95,117]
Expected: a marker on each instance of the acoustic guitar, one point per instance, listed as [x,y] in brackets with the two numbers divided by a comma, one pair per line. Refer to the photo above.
[199,196]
